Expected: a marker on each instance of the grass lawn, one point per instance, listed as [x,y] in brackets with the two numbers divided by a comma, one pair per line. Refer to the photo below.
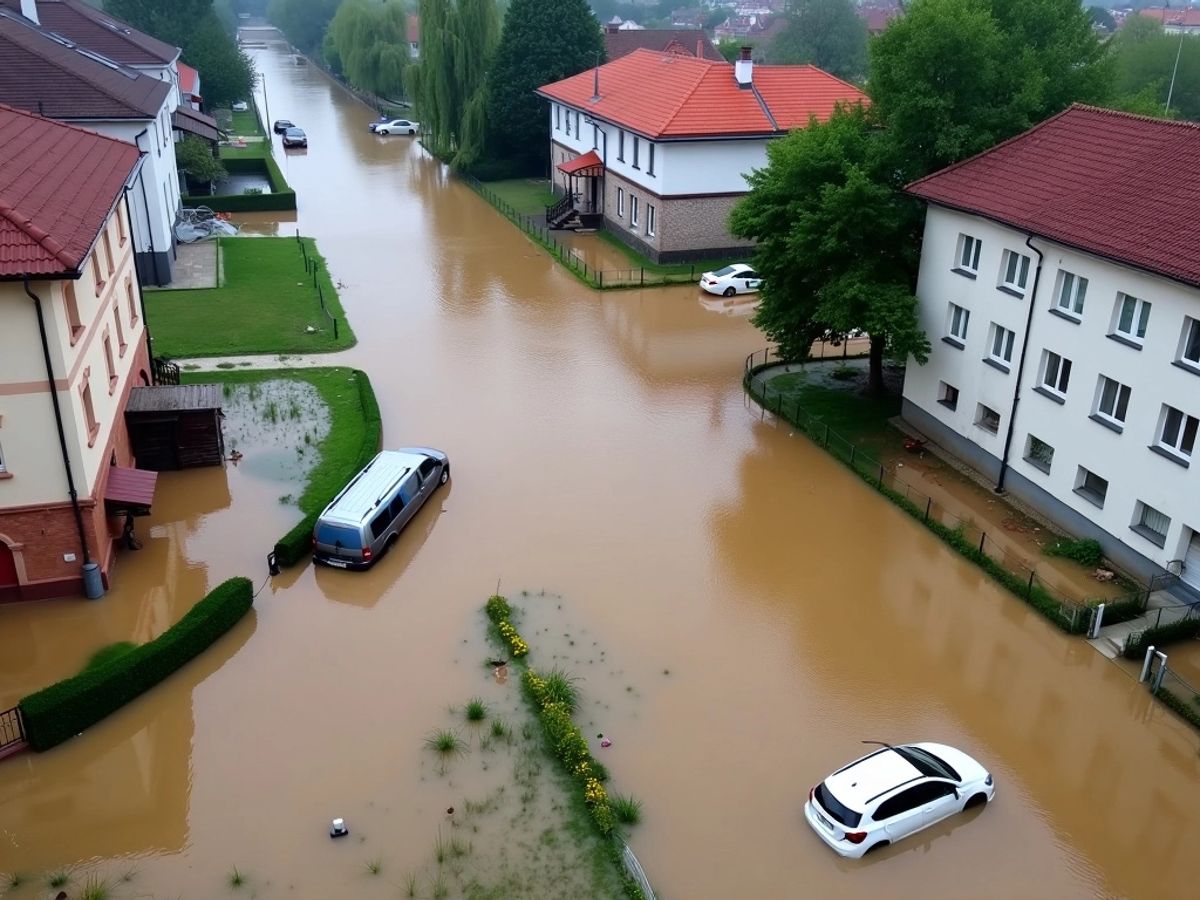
[246,123]
[859,417]
[525,195]
[637,261]
[338,452]
[252,150]
[264,306]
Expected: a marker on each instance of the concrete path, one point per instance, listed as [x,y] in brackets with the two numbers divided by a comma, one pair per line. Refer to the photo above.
[1163,608]
[196,266]
[267,361]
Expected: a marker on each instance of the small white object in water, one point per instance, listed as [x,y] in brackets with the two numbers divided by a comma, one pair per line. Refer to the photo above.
[338,828]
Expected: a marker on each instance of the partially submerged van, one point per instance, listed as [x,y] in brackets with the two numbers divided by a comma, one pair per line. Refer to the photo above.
[367,516]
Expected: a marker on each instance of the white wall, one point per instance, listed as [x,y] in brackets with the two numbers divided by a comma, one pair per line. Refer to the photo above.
[1134,472]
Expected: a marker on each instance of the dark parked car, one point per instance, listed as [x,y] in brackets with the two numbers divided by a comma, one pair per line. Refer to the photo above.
[281,125]
[295,137]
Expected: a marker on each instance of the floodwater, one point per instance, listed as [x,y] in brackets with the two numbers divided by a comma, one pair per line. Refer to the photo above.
[760,611]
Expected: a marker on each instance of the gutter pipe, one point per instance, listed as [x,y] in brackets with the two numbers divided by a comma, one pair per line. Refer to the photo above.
[1012,413]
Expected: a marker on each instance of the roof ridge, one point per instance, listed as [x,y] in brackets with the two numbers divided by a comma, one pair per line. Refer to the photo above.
[24,223]
[1141,117]
[123,29]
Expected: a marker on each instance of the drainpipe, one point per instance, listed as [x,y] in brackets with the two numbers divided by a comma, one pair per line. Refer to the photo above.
[62,436]
[1012,414]
[137,142]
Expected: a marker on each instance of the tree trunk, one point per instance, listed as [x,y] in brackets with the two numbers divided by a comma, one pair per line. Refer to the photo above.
[875,371]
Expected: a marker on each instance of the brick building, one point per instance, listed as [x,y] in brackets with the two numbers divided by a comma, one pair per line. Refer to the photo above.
[72,345]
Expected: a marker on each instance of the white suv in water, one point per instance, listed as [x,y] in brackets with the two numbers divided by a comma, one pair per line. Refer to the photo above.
[892,793]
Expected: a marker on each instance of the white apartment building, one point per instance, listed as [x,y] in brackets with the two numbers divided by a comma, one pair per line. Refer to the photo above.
[1060,290]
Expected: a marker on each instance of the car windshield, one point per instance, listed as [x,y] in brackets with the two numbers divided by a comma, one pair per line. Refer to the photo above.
[295,132]
[836,808]
[928,764]
[339,536]
[728,270]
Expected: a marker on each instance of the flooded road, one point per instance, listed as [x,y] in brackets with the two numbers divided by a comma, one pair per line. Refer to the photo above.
[761,611]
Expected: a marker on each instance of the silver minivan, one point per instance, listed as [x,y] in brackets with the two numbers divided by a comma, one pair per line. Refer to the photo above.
[369,513]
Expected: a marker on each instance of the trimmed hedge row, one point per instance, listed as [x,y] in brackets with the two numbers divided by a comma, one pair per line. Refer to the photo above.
[1187,710]
[296,545]
[63,710]
[1136,644]
[281,197]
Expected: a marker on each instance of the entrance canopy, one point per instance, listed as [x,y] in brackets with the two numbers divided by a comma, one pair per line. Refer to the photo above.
[129,490]
[586,166]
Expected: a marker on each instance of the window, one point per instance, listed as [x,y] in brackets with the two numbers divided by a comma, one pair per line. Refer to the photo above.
[650,219]
[1091,486]
[947,395]
[108,254]
[1112,402]
[568,121]
[1038,453]
[1150,523]
[121,236]
[133,310]
[557,117]
[1000,346]
[380,523]
[987,418]
[428,467]
[1056,372]
[577,131]
[1177,431]
[74,325]
[1072,290]
[620,202]
[636,146]
[956,325]
[109,365]
[621,145]
[650,161]
[633,211]
[121,345]
[97,281]
[1130,320]
[1189,343]
[89,412]
[968,254]
[1014,272]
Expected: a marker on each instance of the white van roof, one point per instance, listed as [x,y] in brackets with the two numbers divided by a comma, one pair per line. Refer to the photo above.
[359,500]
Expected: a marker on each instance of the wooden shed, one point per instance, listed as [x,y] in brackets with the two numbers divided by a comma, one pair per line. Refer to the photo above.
[176,426]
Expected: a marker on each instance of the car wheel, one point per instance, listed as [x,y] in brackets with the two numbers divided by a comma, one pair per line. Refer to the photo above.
[383,131]
[730,291]
[878,846]
[445,475]
[974,801]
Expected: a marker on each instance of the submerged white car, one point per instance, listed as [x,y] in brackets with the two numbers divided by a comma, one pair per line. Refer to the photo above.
[892,793]
[395,126]
[736,279]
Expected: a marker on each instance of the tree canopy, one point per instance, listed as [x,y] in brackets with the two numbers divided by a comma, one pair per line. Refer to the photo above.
[542,41]
[827,33]
[368,43]
[303,22]
[834,241]
[1145,60]
[194,157]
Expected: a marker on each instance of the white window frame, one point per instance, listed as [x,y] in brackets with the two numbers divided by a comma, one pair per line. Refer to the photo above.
[1183,442]
[958,338]
[981,416]
[650,219]
[1147,521]
[1000,351]
[633,211]
[966,254]
[1189,337]
[1139,320]
[557,117]
[1016,281]
[1070,294]
[620,203]
[1055,373]
[1121,395]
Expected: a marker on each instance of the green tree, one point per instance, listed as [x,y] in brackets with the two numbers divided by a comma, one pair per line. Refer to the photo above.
[730,48]
[1146,60]
[542,41]
[369,43]
[827,33]
[194,157]
[1102,18]
[303,22]
[835,241]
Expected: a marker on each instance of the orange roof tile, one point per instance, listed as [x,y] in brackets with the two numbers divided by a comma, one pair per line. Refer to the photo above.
[664,95]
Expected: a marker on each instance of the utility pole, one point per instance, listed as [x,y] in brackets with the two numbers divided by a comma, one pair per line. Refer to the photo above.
[267,105]
[1171,89]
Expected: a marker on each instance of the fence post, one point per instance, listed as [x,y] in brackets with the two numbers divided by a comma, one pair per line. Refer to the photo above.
[643,276]
[314,273]
[982,538]
[928,506]
[335,330]
[880,485]
[853,450]
[1097,622]
[601,278]
[321,296]
[826,444]
[1029,587]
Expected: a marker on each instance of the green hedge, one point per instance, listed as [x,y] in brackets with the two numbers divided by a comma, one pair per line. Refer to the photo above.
[63,710]
[281,197]
[1182,707]
[1135,646]
[296,545]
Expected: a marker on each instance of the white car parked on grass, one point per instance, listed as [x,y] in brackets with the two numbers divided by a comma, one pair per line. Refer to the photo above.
[892,793]
[397,126]
[736,279]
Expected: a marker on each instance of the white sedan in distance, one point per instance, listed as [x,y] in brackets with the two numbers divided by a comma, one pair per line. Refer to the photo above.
[736,279]
[892,793]
[397,126]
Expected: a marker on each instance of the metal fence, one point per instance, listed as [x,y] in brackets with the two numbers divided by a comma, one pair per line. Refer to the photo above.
[12,729]
[605,279]
[310,268]
[1070,609]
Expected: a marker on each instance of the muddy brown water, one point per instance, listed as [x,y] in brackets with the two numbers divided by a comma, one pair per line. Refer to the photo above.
[760,609]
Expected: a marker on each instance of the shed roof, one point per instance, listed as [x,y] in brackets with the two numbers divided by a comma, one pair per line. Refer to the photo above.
[174,398]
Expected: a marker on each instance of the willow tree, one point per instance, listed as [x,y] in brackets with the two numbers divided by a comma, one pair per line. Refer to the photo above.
[369,43]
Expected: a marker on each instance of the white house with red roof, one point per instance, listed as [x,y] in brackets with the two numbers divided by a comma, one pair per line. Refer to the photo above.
[657,146]
[1175,21]
[72,346]
[1060,289]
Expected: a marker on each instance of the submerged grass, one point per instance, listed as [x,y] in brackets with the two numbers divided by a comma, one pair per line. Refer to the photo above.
[627,809]
[95,888]
[476,710]
[59,879]
[446,743]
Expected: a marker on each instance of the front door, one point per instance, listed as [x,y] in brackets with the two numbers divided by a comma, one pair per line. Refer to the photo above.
[1191,562]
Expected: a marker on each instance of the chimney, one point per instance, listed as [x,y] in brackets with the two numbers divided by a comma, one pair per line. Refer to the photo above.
[743,69]
[699,48]
[29,11]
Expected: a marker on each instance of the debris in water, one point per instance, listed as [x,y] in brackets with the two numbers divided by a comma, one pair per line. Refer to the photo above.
[606,742]
[337,828]
[450,810]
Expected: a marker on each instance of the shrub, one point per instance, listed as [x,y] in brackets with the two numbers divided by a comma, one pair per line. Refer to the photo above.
[108,653]
[1135,646]
[498,609]
[1084,551]
[62,710]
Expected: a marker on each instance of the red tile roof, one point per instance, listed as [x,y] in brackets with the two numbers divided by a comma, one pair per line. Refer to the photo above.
[681,41]
[58,185]
[188,78]
[99,32]
[661,95]
[590,160]
[1109,183]
[1189,18]
[39,73]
